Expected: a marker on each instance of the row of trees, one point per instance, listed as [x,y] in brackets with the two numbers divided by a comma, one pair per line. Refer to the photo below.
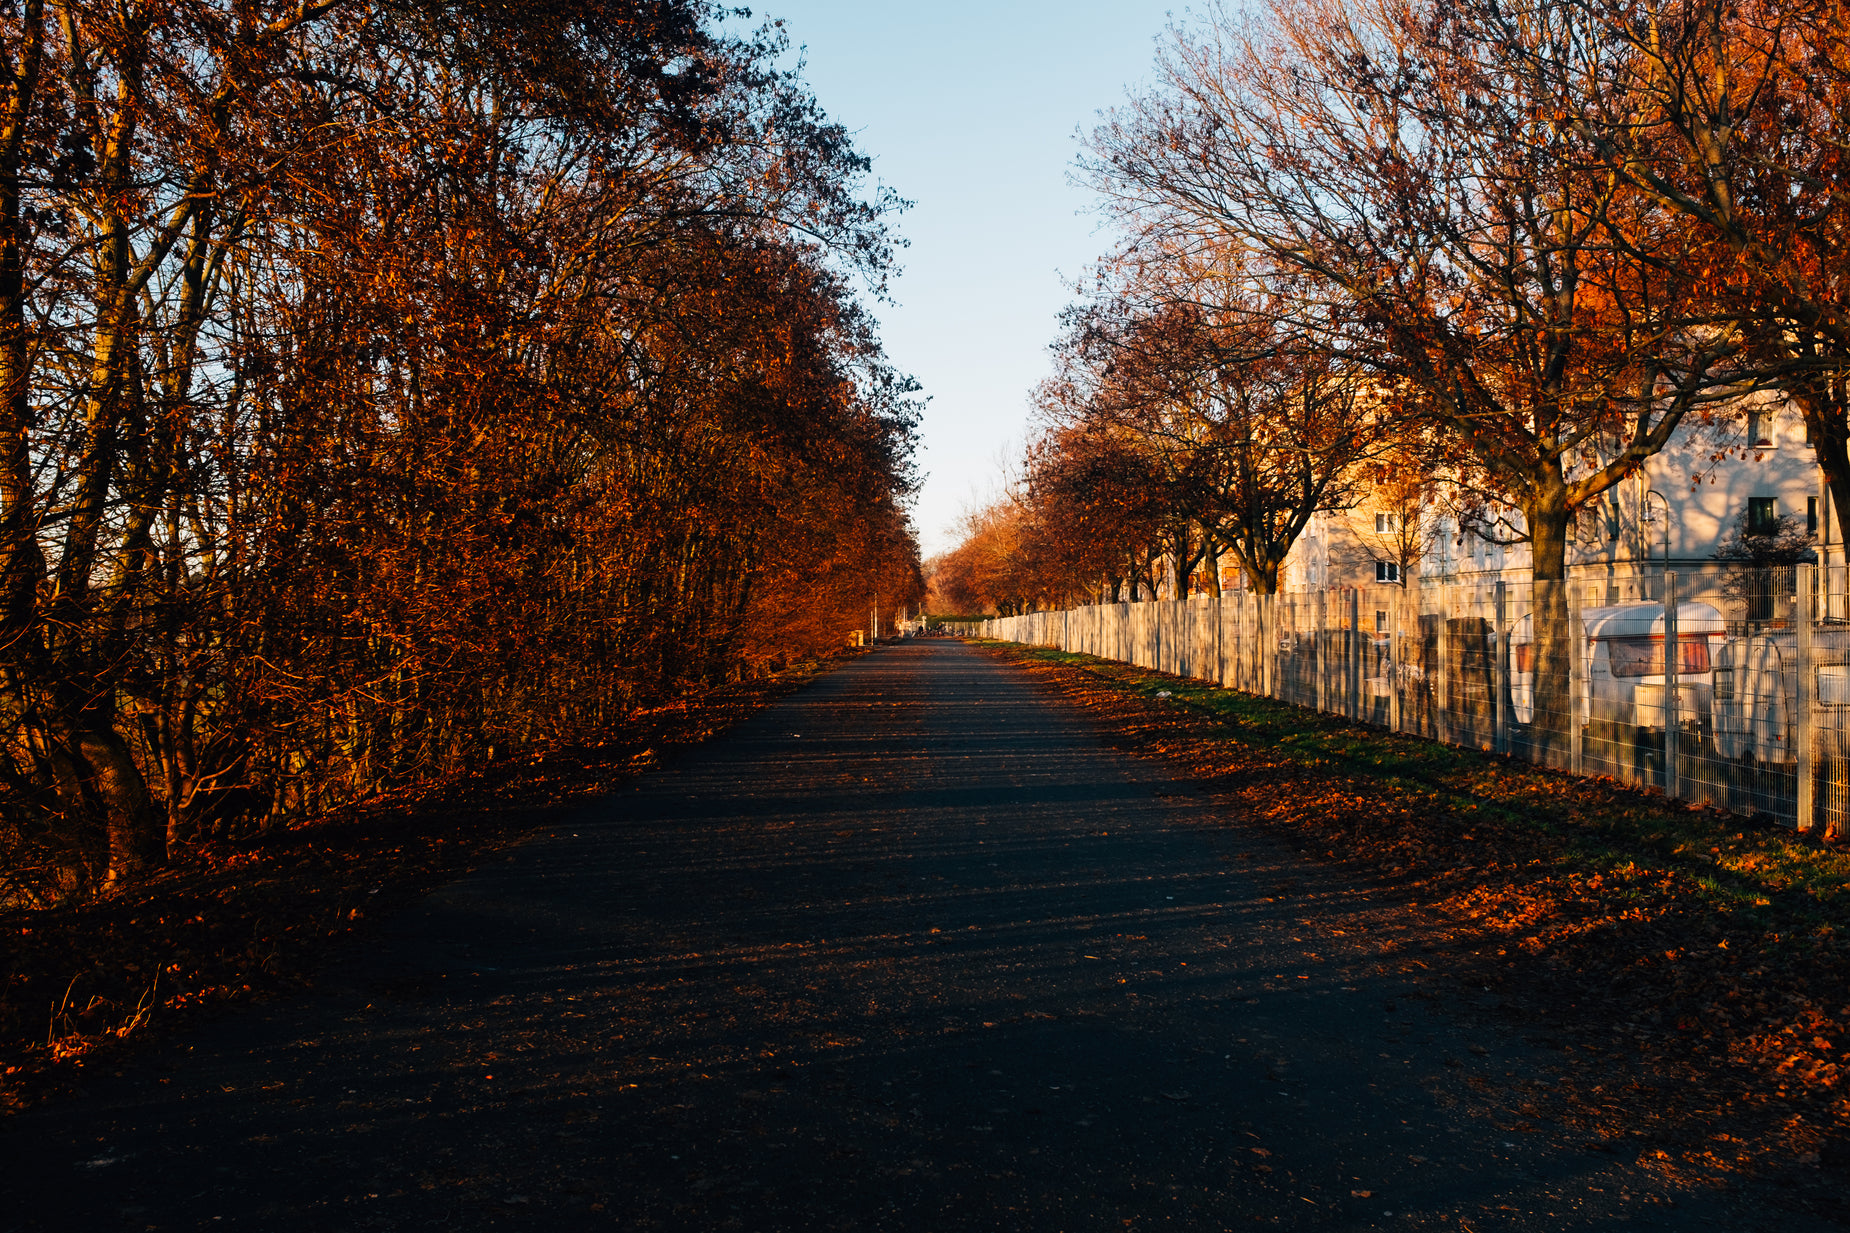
[1512,243]
[386,385]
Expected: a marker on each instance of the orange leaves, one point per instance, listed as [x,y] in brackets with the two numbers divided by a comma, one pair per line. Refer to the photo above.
[1571,898]
[1458,242]
[245,917]
[496,409]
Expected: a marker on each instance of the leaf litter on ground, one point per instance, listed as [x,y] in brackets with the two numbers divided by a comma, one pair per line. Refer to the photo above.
[1695,966]
[226,922]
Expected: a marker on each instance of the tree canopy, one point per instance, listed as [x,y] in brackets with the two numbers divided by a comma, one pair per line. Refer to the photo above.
[388,385]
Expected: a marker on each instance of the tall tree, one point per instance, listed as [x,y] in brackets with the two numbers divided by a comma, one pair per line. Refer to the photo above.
[1394,174]
[363,419]
[1391,175]
[1243,426]
[1734,119]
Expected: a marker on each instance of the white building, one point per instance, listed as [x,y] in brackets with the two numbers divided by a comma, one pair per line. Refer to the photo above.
[1678,512]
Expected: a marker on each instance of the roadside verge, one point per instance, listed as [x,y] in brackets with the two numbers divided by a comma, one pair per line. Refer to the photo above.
[1699,968]
[230,922]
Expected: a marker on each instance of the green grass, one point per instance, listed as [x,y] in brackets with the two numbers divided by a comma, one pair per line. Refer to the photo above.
[1772,878]
[934,621]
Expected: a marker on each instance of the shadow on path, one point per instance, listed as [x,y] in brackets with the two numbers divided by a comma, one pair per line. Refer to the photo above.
[910,950]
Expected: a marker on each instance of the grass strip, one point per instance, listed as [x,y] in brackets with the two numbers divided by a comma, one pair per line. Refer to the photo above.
[1701,958]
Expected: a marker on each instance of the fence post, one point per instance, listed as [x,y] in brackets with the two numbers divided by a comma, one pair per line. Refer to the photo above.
[1262,632]
[1164,650]
[1441,692]
[1220,639]
[1320,651]
[1275,618]
[1339,687]
[1253,667]
[1576,669]
[1242,641]
[1671,734]
[1255,646]
[1232,669]
[1424,724]
[1220,666]
[1268,649]
[1802,617]
[1355,652]
[1500,675]
[1235,655]
[1286,677]
[1397,603]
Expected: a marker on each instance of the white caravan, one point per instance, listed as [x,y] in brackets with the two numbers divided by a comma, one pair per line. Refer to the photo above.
[1756,687]
[1753,699]
[1624,670]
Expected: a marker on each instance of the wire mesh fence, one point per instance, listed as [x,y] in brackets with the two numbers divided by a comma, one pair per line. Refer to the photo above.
[1717,684]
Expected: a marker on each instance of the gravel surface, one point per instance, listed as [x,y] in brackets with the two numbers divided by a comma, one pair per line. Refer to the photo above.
[909,950]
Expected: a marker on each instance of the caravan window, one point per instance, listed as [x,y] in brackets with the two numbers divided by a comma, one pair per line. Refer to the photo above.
[1525,656]
[1645,656]
[1692,654]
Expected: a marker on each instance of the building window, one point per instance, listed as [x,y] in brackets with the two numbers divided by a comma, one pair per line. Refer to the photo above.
[1811,514]
[1762,516]
[1386,524]
[1381,621]
[1759,428]
[1387,571]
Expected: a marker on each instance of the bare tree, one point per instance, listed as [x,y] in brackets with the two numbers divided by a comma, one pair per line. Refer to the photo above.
[1243,431]
[1402,181]
[1388,176]
[1731,118]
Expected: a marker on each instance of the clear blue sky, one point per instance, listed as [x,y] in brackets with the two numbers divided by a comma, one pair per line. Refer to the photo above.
[970,110]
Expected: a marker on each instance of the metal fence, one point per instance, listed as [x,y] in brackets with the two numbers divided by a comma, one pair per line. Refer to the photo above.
[1749,710]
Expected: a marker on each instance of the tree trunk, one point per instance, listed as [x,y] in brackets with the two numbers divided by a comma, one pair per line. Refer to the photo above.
[1264,577]
[1549,520]
[137,835]
[1825,404]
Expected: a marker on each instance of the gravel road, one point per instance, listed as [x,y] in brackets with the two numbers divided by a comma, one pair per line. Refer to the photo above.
[909,950]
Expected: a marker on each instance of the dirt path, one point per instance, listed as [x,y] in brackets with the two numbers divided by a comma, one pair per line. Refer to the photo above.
[910,950]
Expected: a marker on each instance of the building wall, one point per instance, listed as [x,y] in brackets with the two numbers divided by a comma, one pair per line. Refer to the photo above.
[1683,507]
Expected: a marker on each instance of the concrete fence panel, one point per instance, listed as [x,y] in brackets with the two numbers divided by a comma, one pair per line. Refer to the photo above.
[1735,693]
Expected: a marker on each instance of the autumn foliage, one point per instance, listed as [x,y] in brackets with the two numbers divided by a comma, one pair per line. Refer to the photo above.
[388,387]
[1528,242]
